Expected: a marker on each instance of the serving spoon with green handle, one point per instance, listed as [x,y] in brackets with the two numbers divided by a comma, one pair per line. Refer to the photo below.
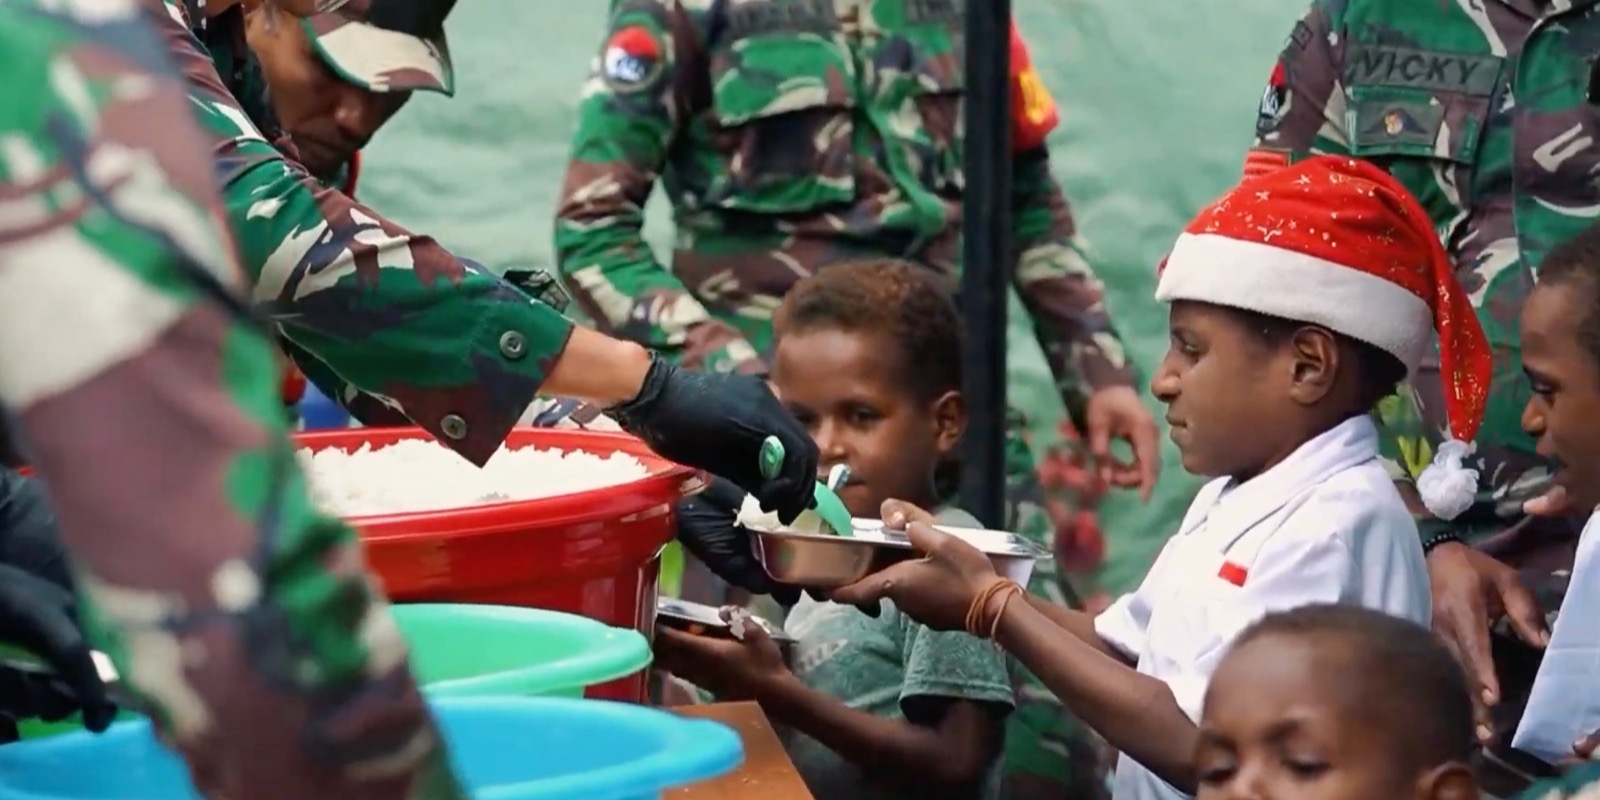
[827,505]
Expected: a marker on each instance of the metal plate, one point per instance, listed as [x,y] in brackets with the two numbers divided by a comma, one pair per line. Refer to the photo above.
[685,615]
[989,542]
[826,562]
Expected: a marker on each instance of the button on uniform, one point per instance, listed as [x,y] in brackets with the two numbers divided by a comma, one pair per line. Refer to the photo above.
[453,426]
[513,345]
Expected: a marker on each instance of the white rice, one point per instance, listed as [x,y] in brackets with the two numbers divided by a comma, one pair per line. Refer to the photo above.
[753,517]
[422,475]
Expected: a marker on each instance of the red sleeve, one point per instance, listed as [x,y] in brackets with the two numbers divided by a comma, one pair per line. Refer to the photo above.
[1033,110]
[293,385]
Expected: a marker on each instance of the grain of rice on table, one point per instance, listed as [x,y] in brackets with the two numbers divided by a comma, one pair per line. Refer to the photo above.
[415,475]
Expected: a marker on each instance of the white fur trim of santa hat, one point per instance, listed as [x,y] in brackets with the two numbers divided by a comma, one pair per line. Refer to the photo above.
[1341,243]
[1257,277]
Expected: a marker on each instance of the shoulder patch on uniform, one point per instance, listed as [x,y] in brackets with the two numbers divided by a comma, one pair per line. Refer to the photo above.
[632,59]
[1274,99]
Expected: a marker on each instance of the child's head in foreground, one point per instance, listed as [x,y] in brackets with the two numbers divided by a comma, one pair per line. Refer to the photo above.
[1336,702]
[868,358]
[1561,355]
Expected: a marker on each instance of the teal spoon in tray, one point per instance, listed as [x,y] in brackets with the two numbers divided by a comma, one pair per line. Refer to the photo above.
[827,505]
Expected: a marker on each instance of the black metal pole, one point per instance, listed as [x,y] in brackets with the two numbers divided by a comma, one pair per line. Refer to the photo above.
[986,254]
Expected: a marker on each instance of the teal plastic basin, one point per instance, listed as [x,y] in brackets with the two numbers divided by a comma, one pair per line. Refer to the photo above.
[461,650]
[466,650]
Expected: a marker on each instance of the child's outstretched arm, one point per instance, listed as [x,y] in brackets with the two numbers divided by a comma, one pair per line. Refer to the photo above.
[1135,713]
[944,746]
[898,514]
[1077,623]
[1312,559]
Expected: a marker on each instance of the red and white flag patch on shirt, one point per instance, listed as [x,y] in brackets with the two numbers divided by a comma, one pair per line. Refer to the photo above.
[1233,573]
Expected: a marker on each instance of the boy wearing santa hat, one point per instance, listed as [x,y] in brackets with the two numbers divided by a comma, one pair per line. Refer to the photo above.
[1299,299]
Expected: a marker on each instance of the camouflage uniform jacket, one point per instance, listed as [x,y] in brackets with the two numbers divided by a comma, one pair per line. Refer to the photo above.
[1487,112]
[365,304]
[789,135]
[149,400]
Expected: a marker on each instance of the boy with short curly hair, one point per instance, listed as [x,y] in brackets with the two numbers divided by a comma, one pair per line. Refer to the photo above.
[868,358]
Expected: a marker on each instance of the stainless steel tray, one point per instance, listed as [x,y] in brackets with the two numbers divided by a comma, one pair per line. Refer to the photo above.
[705,620]
[826,562]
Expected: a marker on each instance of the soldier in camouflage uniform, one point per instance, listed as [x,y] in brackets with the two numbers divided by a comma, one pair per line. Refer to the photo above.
[335,114]
[102,186]
[317,89]
[323,130]
[1487,112]
[387,318]
[245,620]
[336,77]
[794,134]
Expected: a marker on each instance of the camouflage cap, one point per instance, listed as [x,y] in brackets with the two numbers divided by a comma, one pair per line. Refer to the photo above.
[385,45]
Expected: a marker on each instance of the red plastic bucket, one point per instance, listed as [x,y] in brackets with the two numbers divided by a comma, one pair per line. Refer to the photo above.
[594,553]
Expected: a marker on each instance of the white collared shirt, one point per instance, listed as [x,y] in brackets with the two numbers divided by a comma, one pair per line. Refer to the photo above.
[1562,705]
[1325,525]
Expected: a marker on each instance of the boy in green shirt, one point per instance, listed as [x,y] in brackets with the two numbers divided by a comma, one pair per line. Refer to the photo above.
[877,707]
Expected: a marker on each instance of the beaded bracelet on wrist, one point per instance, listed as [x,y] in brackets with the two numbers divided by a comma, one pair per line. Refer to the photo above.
[1435,538]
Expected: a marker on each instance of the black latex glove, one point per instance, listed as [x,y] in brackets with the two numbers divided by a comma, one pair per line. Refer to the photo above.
[717,422]
[31,694]
[707,527]
[28,537]
[41,617]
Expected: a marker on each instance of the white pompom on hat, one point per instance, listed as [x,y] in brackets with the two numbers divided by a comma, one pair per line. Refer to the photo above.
[1338,242]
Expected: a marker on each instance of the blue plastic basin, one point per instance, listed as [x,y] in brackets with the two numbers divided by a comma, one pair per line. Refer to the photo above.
[319,412]
[505,748]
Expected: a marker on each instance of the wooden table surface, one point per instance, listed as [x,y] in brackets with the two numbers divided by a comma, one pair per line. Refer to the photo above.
[766,774]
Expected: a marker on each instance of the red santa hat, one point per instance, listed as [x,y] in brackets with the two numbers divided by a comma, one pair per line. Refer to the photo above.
[1339,243]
